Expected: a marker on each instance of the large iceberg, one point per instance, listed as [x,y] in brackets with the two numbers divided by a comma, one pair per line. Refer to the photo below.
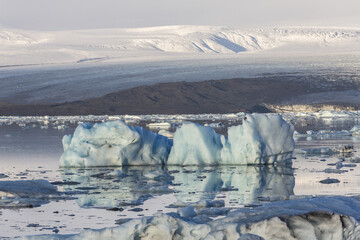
[261,139]
[114,144]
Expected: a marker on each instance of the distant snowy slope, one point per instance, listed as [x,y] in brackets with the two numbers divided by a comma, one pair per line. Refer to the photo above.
[26,47]
[8,37]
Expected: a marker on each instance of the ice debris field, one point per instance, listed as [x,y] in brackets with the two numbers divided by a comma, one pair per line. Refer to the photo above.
[231,176]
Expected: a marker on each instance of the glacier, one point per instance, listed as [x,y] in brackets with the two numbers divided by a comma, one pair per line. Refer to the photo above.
[261,139]
[106,59]
[90,45]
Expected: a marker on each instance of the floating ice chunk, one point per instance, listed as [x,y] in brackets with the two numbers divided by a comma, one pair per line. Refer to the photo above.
[115,173]
[60,127]
[113,144]
[195,144]
[310,132]
[331,170]
[26,188]
[215,125]
[200,204]
[325,133]
[27,193]
[187,212]
[160,125]
[343,151]
[261,139]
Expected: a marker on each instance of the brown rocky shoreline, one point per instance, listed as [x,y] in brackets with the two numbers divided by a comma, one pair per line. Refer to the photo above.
[265,94]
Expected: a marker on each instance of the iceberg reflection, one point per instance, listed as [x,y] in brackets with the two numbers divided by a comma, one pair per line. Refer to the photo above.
[128,186]
[238,184]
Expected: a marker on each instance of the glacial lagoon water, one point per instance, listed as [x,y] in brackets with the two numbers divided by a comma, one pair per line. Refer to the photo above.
[104,197]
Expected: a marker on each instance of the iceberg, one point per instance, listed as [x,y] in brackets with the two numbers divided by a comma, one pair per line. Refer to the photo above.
[114,144]
[261,139]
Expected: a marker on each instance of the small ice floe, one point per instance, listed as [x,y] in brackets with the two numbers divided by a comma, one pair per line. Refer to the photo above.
[60,127]
[215,125]
[323,133]
[116,173]
[114,118]
[342,150]
[355,131]
[187,212]
[331,170]
[27,193]
[200,204]
[160,125]
[350,165]
[329,181]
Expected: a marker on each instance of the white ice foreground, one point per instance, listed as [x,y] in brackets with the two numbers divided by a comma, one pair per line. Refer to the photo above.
[261,139]
[303,219]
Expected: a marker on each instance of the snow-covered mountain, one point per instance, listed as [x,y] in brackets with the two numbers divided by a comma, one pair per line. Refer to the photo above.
[23,47]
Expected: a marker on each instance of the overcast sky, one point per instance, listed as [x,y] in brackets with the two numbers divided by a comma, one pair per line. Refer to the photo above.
[82,14]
